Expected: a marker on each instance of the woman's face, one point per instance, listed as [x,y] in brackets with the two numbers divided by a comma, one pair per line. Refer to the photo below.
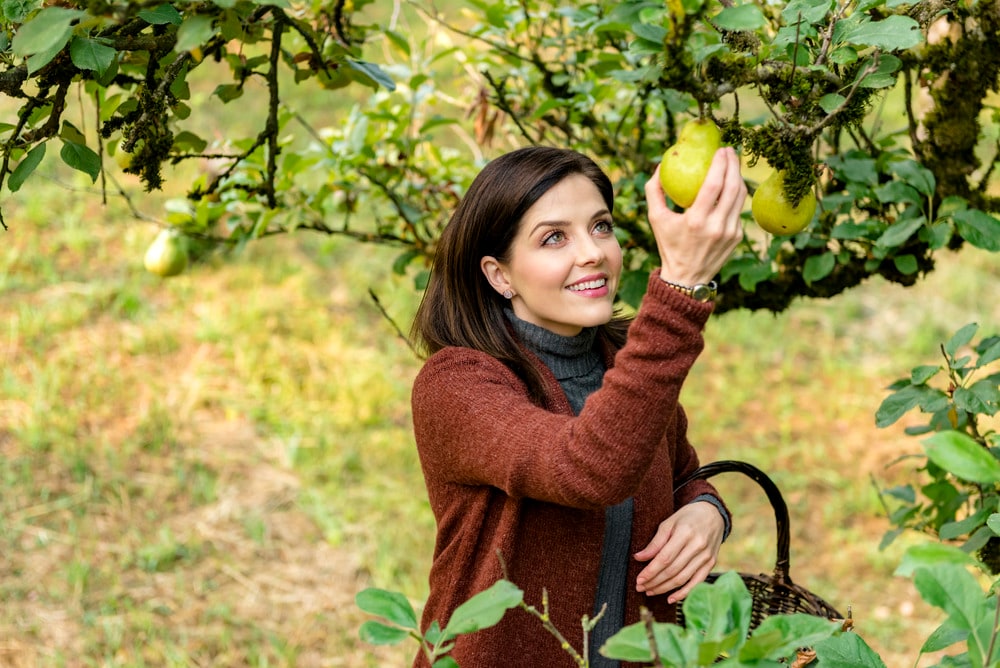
[565,262]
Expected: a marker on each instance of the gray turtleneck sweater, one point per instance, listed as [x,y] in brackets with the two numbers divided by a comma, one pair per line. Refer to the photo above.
[577,364]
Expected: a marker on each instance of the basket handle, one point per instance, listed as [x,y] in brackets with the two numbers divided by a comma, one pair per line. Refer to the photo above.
[773,495]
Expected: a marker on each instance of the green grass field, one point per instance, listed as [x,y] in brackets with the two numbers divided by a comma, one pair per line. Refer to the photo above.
[204,470]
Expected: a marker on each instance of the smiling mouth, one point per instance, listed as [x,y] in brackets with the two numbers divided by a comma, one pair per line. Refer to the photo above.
[589,285]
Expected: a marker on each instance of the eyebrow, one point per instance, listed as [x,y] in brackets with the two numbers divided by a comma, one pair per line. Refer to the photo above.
[564,223]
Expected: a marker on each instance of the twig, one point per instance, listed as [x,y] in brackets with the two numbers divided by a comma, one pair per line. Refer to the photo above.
[993,636]
[648,621]
[825,121]
[385,314]
[274,101]
[547,624]
[505,106]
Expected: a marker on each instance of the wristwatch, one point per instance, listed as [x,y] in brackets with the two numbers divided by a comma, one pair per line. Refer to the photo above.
[703,292]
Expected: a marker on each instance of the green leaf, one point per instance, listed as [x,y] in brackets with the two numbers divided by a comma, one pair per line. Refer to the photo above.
[978,228]
[403,260]
[883,77]
[45,35]
[484,609]
[195,31]
[927,555]
[376,633]
[847,650]
[228,92]
[676,646]
[25,168]
[740,17]
[970,402]
[15,11]
[49,28]
[81,158]
[445,662]
[987,391]
[818,267]
[959,528]
[921,374]
[953,589]
[897,192]
[633,287]
[961,338]
[89,54]
[963,456]
[720,611]
[989,354]
[993,522]
[889,34]
[778,636]
[916,175]
[896,404]
[944,637]
[389,605]
[844,55]
[373,73]
[165,13]
[905,264]
[650,32]
[810,11]
[831,102]
[188,141]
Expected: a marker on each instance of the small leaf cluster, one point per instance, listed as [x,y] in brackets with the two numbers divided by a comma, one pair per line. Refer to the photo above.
[398,621]
[718,621]
[959,502]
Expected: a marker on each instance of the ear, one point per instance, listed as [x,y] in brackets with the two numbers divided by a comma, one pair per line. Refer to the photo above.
[495,273]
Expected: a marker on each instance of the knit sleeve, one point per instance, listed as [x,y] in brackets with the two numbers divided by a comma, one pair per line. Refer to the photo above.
[475,424]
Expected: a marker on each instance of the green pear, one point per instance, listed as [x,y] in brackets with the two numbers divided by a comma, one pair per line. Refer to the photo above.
[774,213]
[166,256]
[684,165]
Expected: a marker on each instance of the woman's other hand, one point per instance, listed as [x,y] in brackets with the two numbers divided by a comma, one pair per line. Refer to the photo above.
[694,245]
[683,552]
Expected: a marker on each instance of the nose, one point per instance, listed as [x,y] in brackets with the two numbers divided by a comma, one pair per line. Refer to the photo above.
[589,251]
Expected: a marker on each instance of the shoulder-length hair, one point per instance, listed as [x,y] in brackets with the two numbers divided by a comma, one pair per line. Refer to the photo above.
[459,306]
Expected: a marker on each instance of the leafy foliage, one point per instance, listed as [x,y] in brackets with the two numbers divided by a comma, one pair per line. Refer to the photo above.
[718,630]
[959,500]
[802,85]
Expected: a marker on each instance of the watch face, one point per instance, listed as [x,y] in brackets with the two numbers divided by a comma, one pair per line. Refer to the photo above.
[702,292]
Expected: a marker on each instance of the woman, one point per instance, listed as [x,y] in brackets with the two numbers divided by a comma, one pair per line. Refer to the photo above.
[549,441]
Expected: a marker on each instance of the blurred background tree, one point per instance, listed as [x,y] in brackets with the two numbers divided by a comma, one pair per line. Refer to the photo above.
[423,95]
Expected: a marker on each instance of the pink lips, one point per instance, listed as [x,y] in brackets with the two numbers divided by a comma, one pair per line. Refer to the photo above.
[590,286]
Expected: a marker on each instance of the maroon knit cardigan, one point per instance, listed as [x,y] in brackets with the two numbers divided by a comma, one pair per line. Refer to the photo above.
[505,475]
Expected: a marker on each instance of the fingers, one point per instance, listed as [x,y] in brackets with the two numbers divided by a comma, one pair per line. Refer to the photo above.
[682,553]
[675,565]
[694,245]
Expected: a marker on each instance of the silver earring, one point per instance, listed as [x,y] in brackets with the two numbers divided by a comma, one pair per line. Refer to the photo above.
[507,294]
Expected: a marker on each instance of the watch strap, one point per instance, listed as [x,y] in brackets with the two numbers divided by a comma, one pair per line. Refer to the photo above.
[703,292]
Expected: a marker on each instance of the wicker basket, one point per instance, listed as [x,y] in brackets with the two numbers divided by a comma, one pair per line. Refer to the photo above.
[775,593]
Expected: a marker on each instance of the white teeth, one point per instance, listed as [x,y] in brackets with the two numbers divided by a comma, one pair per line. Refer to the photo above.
[589,285]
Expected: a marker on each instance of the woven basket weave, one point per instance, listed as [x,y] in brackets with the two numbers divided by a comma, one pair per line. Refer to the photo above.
[775,593]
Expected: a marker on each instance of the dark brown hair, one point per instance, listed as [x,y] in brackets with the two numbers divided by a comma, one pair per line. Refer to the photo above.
[459,306]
